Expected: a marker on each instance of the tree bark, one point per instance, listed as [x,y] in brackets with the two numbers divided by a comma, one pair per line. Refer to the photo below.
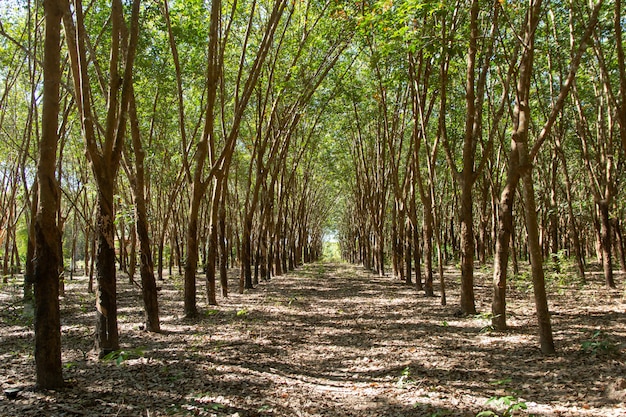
[49,371]
[605,241]
[146,266]
[223,247]
[104,155]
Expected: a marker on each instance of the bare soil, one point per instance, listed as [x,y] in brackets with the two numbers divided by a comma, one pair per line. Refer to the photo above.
[329,340]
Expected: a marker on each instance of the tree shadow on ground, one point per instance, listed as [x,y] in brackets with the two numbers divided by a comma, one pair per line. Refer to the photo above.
[328,340]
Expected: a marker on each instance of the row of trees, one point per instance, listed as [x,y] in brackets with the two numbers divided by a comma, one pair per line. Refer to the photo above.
[472,104]
[198,135]
[170,131]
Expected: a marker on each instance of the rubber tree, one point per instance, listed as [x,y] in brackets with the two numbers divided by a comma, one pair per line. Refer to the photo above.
[206,150]
[49,372]
[104,154]
[521,159]
[478,68]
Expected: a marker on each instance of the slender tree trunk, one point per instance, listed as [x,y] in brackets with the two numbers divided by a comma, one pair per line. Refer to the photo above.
[146,266]
[467,249]
[619,243]
[246,253]
[428,250]
[29,271]
[212,252]
[223,253]
[504,238]
[107,338]
[49,371]
[605,242]
[536,259]
[408,251]
[191,263]
[92,263]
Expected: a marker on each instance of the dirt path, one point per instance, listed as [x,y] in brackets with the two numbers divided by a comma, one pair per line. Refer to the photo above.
[330,340]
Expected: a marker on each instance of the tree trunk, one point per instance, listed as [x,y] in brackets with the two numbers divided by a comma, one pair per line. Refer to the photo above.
[191,262]
[503,241]
[605,242]
[223,253]
[146,266]
[619,243]
[428,251]
[536,259]
[29,271]
[408,251]
[467,249]
[107,338]
[212,253]
[49,371]
[246,253]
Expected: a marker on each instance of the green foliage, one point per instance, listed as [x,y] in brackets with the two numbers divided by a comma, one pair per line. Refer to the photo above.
[509,403]
[405,378]
[523,281]
[243,313]
[600,344]
[120,356]
[331,252]
[559,268]
[503,381]
[485,316]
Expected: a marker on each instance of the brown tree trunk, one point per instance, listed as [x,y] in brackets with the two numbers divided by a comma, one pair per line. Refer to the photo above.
[467,249]
[428,250]
[29,271]
[605,242]
[504,238]
[619,243]
[536,260]
[49,371]
[246,253]
[191,262]
[213,250]
[146,266]
[104,155]
[223,252]
[408,251]
[520,164]
[107,338]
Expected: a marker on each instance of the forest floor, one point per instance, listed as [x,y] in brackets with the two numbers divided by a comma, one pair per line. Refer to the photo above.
[329,340]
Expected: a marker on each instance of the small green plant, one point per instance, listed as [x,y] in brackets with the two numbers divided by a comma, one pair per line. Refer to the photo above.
[120,356]
[503,381]
[558,267]
[599,344]
[211,312]
[216,406]
[522,281]
[243,313]
[487,329]
[483,316]
[509,403]
[405,378]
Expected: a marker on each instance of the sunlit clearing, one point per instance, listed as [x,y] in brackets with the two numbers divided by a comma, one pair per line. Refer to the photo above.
[331,252]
